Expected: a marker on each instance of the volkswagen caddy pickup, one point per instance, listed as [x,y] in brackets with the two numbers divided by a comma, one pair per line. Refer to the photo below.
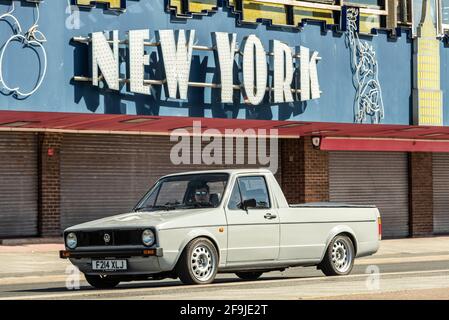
[194,225]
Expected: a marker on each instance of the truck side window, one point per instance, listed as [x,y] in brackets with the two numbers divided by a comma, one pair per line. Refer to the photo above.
[255,188]
[235,200]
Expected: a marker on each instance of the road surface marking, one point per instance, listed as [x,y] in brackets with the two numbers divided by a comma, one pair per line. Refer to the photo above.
[358,262]
[362,261]
[202,287]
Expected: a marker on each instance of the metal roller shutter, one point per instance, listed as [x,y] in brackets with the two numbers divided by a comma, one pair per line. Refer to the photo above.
[18,185]
[379,178]
[440,192]
[102,175]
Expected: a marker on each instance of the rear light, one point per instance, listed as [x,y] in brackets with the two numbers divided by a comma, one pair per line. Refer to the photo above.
[379,227]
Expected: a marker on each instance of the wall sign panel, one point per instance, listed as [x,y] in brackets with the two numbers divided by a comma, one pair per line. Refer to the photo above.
[134,81]
[175,50]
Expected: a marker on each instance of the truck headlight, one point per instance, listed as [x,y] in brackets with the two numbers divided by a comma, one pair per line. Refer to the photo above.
[148,237]
[71,240]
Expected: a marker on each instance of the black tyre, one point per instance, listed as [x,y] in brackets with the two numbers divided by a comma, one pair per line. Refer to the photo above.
[249,275]
[198,263]
[339,257]
[102,281]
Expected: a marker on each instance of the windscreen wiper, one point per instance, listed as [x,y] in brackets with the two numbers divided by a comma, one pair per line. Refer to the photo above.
[199,205]
[163,207]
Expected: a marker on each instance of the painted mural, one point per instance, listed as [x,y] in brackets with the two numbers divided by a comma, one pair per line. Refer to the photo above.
[427,96]
[305,64]
[31,39]
[368,98]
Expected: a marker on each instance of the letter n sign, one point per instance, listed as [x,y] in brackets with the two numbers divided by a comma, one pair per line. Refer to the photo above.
[110,4]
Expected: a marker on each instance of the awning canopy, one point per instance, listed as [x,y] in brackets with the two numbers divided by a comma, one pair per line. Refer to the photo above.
[334,136]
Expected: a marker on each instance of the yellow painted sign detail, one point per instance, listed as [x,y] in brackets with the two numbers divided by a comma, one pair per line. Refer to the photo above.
[193,6]
[252,11]
[369,22]
[301,13]
[111,4]
[274,12]
[202,5]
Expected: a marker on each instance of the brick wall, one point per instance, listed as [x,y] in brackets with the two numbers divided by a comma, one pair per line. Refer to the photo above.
[421,194]
[316,172]
[49,184]
[305,171]
[290,154]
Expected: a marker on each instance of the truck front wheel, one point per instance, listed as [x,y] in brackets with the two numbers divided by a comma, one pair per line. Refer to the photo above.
[339,257]
[198,263]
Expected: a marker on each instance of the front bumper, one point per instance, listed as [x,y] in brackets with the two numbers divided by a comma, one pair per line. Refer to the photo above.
[115,253]
[139,261]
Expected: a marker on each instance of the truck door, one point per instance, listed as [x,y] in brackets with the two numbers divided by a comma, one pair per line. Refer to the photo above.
[253,234]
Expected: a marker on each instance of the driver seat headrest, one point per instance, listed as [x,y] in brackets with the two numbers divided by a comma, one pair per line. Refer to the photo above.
[214,200]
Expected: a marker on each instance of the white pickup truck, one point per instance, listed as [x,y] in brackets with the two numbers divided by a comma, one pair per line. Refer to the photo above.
[195,224]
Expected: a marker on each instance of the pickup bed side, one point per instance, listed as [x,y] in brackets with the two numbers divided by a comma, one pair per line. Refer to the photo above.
[307,229]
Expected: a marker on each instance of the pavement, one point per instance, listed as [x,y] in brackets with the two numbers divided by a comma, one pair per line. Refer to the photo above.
[416,268]
[33,240]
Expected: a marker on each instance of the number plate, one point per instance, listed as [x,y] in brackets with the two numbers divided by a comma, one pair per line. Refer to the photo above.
[109,265]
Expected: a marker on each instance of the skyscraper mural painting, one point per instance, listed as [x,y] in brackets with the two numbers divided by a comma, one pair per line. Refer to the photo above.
[427,96]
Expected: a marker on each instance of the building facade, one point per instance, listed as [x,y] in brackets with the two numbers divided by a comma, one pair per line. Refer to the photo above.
[355,94]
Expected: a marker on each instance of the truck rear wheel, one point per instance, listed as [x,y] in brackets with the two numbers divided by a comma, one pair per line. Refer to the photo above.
[198,263]
[102,281]
[249,275]
[339,257]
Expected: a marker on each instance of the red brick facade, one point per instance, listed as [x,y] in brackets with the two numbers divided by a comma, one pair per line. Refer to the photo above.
[49,184]
[303,174]
[421,194]
[290,157]
[305,171]
[316,175]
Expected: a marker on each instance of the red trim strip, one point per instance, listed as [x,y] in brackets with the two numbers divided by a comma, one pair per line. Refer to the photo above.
[361,144]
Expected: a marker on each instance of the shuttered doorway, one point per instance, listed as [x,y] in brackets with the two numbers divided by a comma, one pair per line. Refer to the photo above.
[379,178]
[103,175]
[18,185]
[440,193]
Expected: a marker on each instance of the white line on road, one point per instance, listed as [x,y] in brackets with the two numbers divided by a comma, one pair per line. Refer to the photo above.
[395,260]
[358,262]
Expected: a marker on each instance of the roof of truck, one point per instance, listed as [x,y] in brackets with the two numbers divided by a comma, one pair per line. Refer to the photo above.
[229,171]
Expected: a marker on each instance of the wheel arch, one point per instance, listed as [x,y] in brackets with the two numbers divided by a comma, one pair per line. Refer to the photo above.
[195,234]
[341,230]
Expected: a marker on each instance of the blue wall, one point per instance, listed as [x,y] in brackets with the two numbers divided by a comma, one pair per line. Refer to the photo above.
[66,59]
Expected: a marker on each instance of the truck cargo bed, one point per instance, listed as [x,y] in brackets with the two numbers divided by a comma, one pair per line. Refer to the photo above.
[329,205]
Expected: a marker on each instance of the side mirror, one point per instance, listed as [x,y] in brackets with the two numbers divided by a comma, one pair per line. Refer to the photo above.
[249,203]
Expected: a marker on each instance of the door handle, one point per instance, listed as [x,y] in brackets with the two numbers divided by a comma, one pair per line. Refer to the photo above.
[270,216]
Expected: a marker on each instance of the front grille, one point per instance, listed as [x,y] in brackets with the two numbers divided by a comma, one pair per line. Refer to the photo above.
[117,238]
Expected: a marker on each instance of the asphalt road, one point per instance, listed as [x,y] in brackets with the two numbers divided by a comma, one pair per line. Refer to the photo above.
[418,276]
